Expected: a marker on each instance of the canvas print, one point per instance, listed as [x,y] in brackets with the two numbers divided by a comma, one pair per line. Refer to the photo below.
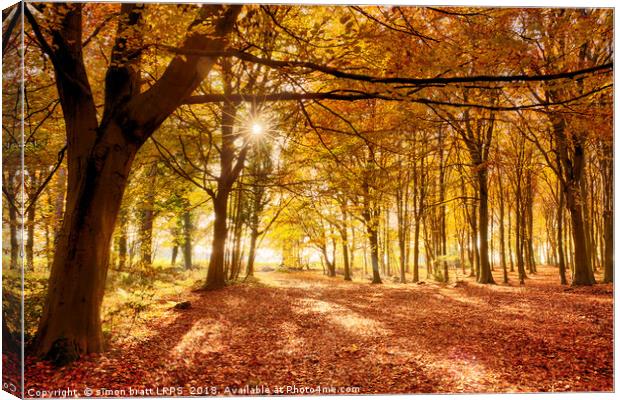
[252,199]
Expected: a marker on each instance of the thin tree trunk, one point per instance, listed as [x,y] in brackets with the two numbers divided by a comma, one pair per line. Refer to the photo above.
[122,241]
[252,253]
[254,234]
[187,239]
[30,225]
[374,253]
[608,211]
[416,250]
[485,269]
[502,241]
[345,244]
[175,253]
[237,233]
[216,278]
[147,216]
[13,220]
[560,235]
[530,223]
[608,273]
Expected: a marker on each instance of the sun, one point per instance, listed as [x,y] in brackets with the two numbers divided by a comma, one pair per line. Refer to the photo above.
[257,129]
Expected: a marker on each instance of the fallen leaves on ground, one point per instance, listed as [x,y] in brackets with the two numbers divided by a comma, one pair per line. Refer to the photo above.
[307,330]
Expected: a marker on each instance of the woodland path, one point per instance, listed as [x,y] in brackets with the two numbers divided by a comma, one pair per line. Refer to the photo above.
[305,329]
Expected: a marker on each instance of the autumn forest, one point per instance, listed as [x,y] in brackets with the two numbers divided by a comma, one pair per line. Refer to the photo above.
[277,199]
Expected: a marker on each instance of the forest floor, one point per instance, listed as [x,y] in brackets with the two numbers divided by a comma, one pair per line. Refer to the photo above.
[298,331]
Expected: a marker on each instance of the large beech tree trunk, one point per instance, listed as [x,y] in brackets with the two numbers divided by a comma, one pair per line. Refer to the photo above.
[99,159]
[71,323]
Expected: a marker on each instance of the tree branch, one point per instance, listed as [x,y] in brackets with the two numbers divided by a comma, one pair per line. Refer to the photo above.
[387,80]
[355,96]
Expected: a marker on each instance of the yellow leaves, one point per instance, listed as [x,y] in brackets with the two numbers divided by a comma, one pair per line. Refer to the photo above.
[354,348]
[122,293]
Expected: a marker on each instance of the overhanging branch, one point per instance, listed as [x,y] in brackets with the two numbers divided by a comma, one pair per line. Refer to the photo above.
[358,95]
[389,80]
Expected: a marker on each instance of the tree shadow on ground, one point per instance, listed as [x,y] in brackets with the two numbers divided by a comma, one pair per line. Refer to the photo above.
[313,330]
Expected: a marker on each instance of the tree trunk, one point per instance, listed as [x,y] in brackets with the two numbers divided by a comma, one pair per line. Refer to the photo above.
[475,268]
[252,253]
[519,242]
[122,242]
[608,212]
[608,274]
[175,253]
[216,278]
[502,242]
[352,251]
[485,269]
[13,223]
[71,323]
[583,271]
[530,223]
[49,247]
[510,252]
[560,235]
[254,228]
[30,224]
[147,216]
[374,253]
[331,265]
[229,173]
[187,239]
[345,258]
[99,159]
[235,253]
[345,243]
[571,156]
[416,251]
